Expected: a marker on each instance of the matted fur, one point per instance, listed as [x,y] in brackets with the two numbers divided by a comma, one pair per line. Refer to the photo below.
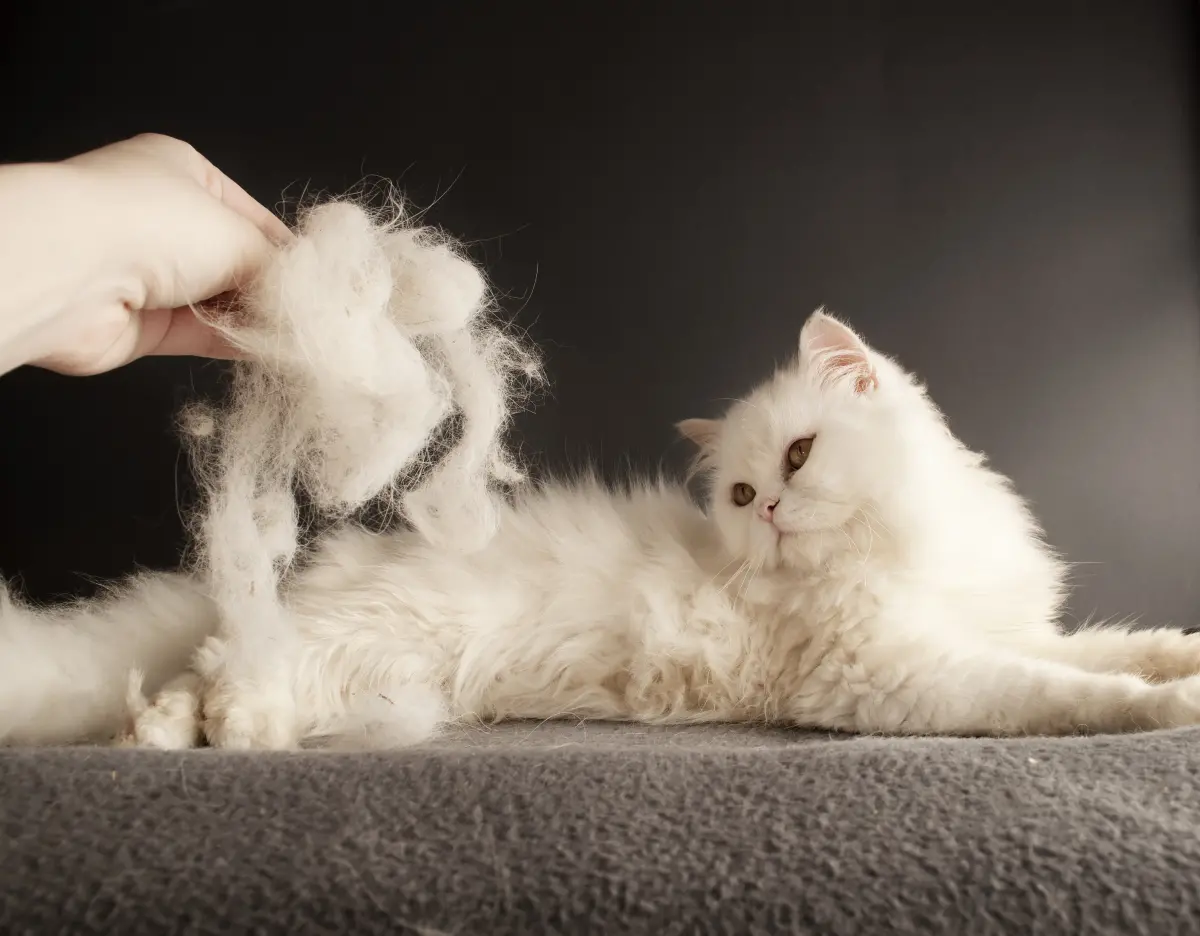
[893,583]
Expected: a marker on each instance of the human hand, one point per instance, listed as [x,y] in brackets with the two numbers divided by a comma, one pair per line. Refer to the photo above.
[157,229]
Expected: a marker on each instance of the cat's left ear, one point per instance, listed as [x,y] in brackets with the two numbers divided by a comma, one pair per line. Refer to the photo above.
[700,432]
[836,353]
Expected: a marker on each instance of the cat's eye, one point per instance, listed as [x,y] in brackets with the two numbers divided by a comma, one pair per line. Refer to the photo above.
[797,453]
[742,494]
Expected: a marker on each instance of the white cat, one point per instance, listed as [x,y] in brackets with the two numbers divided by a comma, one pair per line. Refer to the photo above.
[856,568]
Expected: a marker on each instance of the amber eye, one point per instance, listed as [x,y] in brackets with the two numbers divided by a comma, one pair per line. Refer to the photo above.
[742,494]
[797,453]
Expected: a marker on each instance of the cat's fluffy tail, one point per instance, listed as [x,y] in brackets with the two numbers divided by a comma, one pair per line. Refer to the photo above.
[64,670]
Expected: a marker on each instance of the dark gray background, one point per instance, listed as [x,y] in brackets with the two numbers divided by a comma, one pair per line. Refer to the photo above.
[1003,195]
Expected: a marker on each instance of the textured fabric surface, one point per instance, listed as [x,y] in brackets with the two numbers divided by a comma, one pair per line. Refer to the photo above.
[555,828]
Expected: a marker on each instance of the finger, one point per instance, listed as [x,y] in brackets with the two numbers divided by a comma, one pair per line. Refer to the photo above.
[232,195]
[200,167]
[237,198]
[179,333]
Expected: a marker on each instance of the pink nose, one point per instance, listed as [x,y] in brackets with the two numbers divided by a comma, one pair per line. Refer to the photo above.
[766,510]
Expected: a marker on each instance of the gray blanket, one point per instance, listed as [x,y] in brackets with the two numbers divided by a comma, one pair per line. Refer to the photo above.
[554,828]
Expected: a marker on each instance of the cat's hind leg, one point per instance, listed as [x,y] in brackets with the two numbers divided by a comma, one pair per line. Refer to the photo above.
[1155,654]
[368,674]
[922,684]
[381,717]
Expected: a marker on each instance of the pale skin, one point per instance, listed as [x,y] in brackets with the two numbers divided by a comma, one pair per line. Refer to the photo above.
[120,252]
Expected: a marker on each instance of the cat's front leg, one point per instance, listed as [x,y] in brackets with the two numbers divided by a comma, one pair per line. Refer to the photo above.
[1155,654]
[248,691]
[925,685]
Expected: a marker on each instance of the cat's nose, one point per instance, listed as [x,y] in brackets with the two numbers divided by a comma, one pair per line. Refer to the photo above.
[766,510]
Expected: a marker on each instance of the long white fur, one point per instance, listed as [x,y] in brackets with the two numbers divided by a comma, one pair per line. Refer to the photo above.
[899,586]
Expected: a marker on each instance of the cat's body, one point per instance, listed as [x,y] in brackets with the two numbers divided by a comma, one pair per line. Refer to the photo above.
[857,568]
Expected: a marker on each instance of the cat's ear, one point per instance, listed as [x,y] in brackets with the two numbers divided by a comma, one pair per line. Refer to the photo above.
[700,432]
[836,353]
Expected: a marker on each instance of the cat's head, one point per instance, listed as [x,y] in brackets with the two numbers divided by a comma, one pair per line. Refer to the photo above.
[832,438]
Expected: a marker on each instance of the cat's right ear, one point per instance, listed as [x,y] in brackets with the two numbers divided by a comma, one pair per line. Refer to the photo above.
[836,354]
[700,432]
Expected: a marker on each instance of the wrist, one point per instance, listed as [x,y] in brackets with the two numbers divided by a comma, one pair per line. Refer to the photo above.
[57,255]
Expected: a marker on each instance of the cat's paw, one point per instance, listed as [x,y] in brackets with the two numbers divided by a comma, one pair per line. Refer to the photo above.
[1172,655]
[171,722]
[250,714]
[247,700]
[1175,704]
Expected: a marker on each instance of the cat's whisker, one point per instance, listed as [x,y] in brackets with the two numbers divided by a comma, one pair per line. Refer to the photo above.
[850,539]
[749,581]
[721,570]
[754,573]
[873,511]
[742,567]
[871,542]
[745,569]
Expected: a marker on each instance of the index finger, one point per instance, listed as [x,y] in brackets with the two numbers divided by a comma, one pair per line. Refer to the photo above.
[219,185]
[237,198]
